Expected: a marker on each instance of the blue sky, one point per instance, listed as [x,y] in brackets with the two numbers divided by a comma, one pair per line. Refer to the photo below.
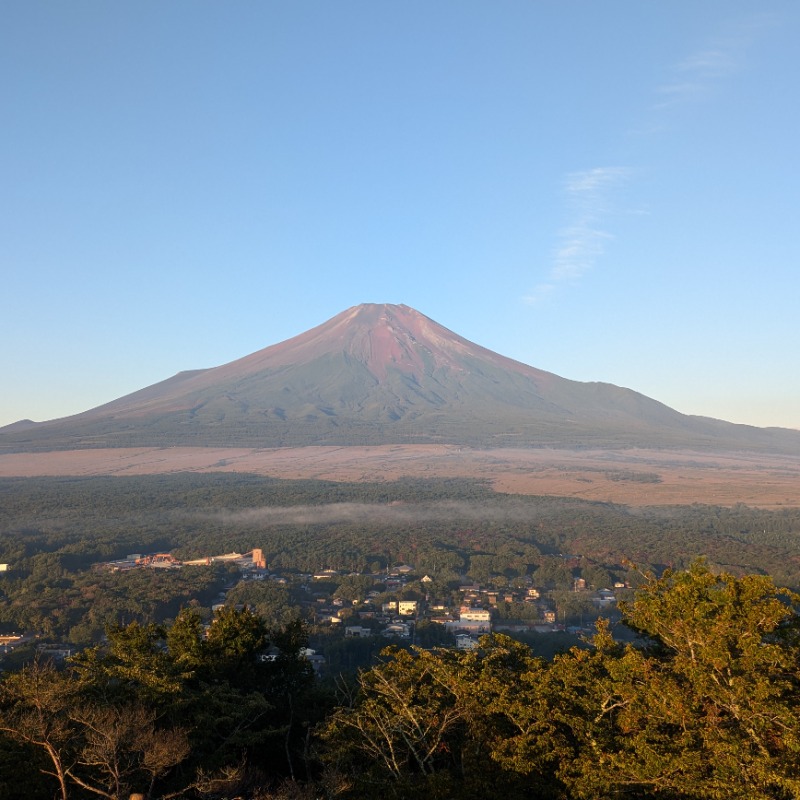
[608,191]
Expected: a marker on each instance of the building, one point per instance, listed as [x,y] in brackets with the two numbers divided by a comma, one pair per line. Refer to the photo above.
[472,620]
[357,631]
[317,661]
[603,598]
[475,615]
[399,629]
[56,652]
[407,608]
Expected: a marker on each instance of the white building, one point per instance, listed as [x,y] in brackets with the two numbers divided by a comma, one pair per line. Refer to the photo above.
[473,621]
[357,630]
[476,615]
[407,608]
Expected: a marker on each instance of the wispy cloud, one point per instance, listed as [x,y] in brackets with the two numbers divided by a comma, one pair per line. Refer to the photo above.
[694,77]
[589,198]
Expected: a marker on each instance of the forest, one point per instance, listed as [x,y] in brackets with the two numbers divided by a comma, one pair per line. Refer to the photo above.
[53,532]
[166,697]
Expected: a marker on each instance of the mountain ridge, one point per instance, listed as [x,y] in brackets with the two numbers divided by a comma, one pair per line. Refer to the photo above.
[382,374]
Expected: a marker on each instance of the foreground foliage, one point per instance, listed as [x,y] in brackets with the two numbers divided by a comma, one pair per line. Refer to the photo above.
[705,706]
[160,711]
[708,708]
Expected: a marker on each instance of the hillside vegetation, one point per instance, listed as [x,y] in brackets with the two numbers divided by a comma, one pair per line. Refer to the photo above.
[165,696]
[704,706]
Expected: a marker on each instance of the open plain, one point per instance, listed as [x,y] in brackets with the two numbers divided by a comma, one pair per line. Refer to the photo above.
[629,476]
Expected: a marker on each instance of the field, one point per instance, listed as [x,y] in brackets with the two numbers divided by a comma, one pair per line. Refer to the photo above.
[632,477]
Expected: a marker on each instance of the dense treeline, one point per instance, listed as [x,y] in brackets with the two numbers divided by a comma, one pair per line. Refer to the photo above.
[705,706]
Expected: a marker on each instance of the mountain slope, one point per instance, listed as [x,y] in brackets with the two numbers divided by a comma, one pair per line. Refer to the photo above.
[378,374]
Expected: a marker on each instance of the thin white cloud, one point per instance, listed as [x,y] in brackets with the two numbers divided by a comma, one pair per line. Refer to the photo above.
[694,77]
[590,195]
[712,63]
[589,200]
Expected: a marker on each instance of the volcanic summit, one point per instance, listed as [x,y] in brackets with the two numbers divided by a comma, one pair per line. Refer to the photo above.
[385,374]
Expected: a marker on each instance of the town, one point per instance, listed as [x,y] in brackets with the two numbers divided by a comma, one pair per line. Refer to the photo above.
[394,605]
[399,604]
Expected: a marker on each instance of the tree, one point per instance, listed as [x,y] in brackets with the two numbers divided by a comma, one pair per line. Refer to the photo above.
[721,678]
[162,749]
[36,705]
[401,718]
[707,709]
[133,667]
[124,715]
[233,642]
[36,785]
[553,573]
[118,744]
[501,687]
[89,740]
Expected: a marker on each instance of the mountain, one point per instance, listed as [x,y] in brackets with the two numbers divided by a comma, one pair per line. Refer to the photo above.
[378,374]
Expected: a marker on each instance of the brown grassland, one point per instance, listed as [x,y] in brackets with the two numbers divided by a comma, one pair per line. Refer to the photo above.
[632,477]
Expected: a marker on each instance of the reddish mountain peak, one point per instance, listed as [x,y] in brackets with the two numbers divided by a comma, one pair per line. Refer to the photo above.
[381,336]
[385,336]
